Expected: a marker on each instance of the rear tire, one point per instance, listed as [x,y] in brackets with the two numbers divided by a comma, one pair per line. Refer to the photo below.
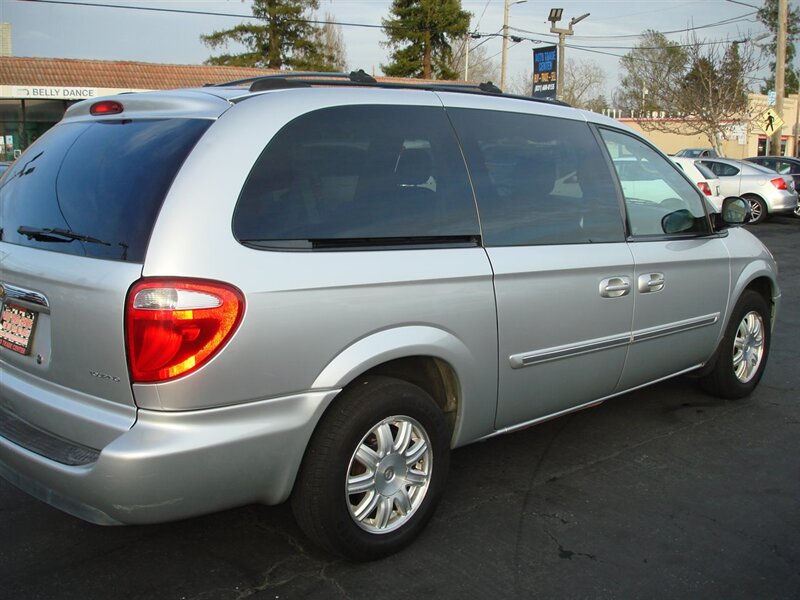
[758,209]
[374,469]
[744,349]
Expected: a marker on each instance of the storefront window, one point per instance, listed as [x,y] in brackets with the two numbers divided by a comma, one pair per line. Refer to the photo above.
[41,115]
[23,121]
[762,148]
[11,127]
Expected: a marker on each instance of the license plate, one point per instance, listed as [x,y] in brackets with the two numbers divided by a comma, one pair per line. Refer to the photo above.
[16,328]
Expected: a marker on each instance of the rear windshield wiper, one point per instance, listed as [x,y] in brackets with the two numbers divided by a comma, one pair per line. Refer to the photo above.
[55,234]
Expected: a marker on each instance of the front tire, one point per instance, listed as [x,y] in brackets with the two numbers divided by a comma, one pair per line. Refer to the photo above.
[743,351]
[374,469]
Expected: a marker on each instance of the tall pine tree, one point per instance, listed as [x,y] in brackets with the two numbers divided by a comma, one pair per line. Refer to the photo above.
[419,33]
[283,37]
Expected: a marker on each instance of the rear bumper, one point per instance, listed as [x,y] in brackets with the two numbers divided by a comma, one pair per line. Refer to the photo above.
[785,202]
[173,465]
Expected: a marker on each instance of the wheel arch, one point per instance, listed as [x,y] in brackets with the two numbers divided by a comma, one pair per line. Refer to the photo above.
[754,195]
[768,289]
[431,358]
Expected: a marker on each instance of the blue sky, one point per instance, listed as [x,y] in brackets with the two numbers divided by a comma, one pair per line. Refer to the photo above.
[93,32]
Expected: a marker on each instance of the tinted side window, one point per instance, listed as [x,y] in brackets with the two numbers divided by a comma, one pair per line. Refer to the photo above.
[721,169]
[103,179]
[350,175]
[538,180]
[657,198]
[769,163]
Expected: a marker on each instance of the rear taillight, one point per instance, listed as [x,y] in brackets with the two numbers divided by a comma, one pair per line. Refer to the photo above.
[704,187]
[173,326]
[779,183]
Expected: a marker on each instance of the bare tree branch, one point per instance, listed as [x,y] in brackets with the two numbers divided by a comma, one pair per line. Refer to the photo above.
[695,88]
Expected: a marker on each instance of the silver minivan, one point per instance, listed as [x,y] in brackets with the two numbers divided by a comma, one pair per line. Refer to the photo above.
[313,289]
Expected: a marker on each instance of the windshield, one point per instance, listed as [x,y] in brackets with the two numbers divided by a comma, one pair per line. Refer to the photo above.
[95,188]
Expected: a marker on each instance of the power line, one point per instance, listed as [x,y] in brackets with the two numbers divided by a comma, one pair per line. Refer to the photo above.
[488,36]
[729,21]
[641,60]
[209,13]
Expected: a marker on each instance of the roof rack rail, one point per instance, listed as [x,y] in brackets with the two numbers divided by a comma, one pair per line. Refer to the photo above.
[298,79]
[359,76]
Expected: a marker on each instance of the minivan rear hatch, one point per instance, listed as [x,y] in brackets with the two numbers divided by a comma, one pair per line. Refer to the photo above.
[76,213]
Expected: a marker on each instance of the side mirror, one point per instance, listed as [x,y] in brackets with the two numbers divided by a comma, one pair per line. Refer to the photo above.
[735,211]
[678,221]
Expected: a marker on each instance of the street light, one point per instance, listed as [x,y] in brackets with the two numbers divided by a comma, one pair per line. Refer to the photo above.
[555,17]
[758,38]
[505,42]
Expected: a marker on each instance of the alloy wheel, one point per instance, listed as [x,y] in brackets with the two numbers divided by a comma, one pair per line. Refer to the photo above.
[748,346]
[389,474]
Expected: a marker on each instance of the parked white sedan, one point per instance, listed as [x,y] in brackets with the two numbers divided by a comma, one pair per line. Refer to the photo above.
[703,177]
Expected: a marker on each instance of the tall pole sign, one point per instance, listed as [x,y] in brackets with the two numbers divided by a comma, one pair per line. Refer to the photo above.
[545,72]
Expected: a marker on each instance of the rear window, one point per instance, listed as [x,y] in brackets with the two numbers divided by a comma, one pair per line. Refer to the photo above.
[95,188]
[705,171]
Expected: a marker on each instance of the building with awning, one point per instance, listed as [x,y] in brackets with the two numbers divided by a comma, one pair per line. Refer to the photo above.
[35,92]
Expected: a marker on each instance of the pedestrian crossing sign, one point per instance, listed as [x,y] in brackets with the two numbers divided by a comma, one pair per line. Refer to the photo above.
[769,121]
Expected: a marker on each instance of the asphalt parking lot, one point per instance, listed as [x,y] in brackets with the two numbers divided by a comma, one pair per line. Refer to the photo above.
[661,493]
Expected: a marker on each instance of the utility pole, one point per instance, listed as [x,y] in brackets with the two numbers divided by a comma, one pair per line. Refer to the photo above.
[555,17]
[505,47]
[797,122]
[780,71]
[506,7]
[466,62]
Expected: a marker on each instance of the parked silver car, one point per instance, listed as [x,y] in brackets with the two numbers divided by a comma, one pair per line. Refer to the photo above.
[312,289]
[767,192]
[785,165]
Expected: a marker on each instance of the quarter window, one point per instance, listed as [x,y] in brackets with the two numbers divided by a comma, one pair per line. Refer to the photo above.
[537,179]
[658,199]
[348,176]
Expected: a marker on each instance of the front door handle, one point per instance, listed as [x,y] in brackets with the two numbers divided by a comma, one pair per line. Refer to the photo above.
[614,287]
[650,282]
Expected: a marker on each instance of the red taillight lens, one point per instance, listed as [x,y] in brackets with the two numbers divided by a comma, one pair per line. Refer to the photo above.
[704,187]
[173,326]
[779,182]
[106,107]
